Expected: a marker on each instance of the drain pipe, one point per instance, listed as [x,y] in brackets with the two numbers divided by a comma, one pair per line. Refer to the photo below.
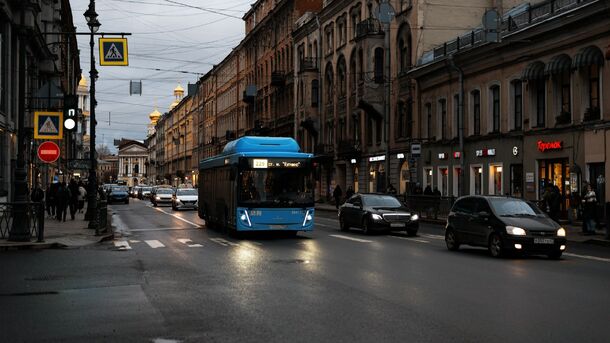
[462,175]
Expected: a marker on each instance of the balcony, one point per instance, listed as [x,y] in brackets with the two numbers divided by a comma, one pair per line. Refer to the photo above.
[349,149]
[278,78]
[368,27]
[308,64]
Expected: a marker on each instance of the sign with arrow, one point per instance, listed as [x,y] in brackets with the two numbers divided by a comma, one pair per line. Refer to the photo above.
[48,125]
[113,52]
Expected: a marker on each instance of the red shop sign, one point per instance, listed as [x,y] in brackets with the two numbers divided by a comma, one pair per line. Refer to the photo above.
[544,146]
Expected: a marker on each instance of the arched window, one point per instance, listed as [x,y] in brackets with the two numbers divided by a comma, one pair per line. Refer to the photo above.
[379,65]
[353,79]
[476,112]
[404,48]
[341,77]
[328,84]
[495,107]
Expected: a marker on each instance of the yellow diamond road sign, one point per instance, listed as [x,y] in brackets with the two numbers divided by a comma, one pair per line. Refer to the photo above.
[48,125]
[113,52]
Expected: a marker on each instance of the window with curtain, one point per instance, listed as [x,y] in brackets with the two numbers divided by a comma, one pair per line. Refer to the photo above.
[495,108]
[594,86]
[476,112]
[442,107]
[517,105]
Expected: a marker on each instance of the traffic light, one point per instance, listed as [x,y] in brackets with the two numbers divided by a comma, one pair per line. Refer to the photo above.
[70,111]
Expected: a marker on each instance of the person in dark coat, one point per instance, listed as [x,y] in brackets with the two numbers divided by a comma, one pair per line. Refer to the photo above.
[391,190]
[37,194]
[349,192]
[590,204]
[555,203]
[337,193]
[51,195]
[73,201]
[428,190]
[62,200]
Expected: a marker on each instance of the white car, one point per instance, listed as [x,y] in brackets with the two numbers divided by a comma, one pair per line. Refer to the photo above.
[185,198]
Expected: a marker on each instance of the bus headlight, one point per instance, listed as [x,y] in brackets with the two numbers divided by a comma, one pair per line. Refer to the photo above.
[245,218]
[308,218]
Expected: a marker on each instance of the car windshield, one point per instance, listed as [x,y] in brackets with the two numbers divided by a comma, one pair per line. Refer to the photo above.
[508,207]
[119,189]
[380,201]
[146,189]
[275,188]
[165,191]
[186,192]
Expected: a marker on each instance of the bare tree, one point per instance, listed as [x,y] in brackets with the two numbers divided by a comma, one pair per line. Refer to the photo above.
[102,151]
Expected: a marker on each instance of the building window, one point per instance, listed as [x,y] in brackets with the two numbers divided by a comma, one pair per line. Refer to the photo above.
[517,105]
[442,108]
[400,118]
[495,108]
[457,181]
[379,65]
[456,115]
[566,98]
[476,180]
[540,103]
[495,180]
[429,120]
[443,181]
[314,93]
[476,112]
[594,87]
[428,178]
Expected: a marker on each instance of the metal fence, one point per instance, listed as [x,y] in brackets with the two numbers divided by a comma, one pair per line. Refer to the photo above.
[430,206]
[25,214]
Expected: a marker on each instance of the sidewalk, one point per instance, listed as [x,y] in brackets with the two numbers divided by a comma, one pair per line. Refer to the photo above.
[68,234]
[573,230]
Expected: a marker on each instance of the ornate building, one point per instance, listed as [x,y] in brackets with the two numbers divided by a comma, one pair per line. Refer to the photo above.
[133,162]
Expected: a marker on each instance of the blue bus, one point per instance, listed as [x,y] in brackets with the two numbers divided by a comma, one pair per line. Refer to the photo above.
[256,184]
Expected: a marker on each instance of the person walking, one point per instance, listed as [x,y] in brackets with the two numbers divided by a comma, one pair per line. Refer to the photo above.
[391,190]
[82,195]
[590,204]
[73,201]
[349,192]
[337,193]
[62,200]
[555,203]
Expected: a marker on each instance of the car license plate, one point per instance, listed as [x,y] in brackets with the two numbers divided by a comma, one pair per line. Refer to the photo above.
[544,241]
[397,224]
[277,227]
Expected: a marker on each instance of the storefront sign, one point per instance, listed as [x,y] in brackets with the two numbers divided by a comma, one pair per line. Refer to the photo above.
[486,152]
[442,156]
[377,158]
[400,156]
[457,155]
[353,161]
[529,177]
[555,145]
[416,149]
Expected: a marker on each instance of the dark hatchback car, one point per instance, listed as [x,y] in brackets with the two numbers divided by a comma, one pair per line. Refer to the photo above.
[377,212]
[503,225]
[118,194]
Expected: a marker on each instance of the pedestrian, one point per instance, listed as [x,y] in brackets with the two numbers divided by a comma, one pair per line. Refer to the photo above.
[590,204]
[62,200]
[37,194]
[337,193]
[428,190]
[82,195]
[73,200]
[349,192]
[391,190]
[554,203]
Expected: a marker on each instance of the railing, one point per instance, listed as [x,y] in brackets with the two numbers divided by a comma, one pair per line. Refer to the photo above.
[25,214]
[370,26]
[308,64]
[430,206]
[519,20]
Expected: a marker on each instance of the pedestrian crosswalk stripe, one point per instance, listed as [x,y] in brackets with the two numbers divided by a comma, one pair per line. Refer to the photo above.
[352,239]
[223,242]
[411,239]
[122,245]
[432,236]
[155,244]
[189,243]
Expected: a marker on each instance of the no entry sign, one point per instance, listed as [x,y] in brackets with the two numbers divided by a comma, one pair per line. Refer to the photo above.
[48,152]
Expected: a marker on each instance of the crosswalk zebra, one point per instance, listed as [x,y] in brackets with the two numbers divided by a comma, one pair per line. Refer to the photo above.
[125,244]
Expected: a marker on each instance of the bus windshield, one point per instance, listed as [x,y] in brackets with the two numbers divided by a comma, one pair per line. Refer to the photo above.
[276,188]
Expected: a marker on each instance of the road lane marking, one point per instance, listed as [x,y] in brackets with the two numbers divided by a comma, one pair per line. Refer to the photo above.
[588,257]
[155,244]
[352,239]
[411,239]
[178,217]
[432,236]
[189,243]
[162,229]
[134,241]
[122,245]
[223,242]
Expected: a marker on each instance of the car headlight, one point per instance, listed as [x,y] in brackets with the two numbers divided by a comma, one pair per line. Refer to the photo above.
[561,232]
[157,198]
[414,217]
[308,217]
[515,231]
[245,218]
[376,216]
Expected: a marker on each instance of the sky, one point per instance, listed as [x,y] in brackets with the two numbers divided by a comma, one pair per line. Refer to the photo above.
[183,38]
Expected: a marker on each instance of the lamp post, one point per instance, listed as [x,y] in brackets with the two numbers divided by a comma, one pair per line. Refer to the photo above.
[91,214]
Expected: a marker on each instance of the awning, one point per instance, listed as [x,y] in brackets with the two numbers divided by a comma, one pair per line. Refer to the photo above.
[588,56]
[558,64]
[533,71]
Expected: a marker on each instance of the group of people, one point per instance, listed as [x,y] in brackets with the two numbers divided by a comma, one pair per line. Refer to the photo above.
[584,203]
[60,197]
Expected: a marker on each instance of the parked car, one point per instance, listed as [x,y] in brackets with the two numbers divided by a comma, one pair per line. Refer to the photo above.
[144,192]
[503,225]
[185,198]
[161,195]
[377,212]
[118,194]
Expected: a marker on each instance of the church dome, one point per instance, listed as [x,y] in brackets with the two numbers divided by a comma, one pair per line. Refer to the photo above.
[174,104]
[178,91]
[154,116]
[83,81]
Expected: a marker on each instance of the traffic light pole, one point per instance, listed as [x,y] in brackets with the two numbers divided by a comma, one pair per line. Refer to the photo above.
[91,214]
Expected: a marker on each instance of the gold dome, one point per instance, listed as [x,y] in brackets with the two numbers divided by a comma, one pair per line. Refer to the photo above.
[178,90]
[154,115]
[83,81]
[174,104]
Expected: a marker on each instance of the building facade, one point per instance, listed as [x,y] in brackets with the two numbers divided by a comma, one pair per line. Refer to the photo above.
[535,114]
[132,163]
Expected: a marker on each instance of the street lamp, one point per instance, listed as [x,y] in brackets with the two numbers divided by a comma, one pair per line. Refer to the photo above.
[91,215]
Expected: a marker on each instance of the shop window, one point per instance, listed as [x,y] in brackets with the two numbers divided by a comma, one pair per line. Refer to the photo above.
[457,181]
[372,179]
[405,178]
[476,180]
[495,180]
[356,181]
[516,180]
[495,108]
[443,181]
[476,112]
[517,105]
[427,177]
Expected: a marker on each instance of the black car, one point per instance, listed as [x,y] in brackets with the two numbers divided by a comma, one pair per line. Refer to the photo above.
[503,225]
[377,212]
[118,194]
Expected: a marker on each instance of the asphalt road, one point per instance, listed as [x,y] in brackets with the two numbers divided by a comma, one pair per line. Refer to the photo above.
[169,278]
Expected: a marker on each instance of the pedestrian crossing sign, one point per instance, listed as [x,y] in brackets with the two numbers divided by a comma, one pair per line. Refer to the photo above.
[48,125]
[113,52]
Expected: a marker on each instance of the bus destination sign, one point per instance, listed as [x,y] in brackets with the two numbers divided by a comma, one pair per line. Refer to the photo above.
[260,163]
